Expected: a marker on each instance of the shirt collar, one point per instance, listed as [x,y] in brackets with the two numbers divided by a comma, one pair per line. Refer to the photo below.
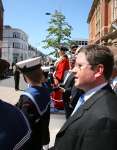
[114,81]
[91,92]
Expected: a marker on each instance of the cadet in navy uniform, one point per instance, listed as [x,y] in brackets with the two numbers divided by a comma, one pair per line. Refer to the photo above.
[14,128]
[35,103]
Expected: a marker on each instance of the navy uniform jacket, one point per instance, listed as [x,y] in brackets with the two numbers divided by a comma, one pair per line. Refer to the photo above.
[93,126]
[14,128]
[35,103]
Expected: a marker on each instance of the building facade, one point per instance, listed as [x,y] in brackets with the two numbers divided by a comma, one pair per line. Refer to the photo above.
[102,20]
[1,25]
[15,44]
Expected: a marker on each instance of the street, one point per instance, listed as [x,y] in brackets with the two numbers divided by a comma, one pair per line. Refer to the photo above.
[9,82]
[9,95]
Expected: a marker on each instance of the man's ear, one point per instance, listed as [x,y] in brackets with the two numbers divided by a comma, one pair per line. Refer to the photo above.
[99,70]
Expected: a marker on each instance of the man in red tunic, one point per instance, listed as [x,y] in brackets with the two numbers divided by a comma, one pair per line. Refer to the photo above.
[61,65]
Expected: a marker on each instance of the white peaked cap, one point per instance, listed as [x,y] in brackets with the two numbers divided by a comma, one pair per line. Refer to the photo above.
[29,64]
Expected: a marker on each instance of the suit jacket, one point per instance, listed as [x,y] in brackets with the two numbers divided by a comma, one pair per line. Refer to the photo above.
[71,94]
[68,84]
[93,126]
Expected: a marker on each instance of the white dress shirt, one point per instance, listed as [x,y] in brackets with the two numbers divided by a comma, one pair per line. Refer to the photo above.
[66,77]
[113,82]
[88,94]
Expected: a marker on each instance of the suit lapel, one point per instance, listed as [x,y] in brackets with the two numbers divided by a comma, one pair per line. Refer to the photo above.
[87,105]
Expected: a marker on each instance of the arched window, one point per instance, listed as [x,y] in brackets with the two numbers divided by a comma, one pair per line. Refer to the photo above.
[16,35]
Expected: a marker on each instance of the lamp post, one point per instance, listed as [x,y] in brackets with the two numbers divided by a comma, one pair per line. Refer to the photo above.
[47,13]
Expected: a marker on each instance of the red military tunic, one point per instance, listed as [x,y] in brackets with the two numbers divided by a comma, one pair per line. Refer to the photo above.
[61,66]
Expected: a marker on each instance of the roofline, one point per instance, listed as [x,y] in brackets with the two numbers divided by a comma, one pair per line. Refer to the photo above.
[11,28]
[92,10]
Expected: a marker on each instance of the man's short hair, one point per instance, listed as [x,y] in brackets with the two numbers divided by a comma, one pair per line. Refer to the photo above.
[98,54]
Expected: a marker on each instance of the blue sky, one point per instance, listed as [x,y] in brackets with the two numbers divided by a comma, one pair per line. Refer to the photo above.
[29,15]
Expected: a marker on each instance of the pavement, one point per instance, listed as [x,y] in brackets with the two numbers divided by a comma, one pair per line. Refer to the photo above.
[11,96]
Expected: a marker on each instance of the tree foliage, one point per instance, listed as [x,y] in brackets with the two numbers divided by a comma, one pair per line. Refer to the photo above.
[59,31]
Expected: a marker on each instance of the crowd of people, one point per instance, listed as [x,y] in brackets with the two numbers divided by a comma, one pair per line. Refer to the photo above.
[86,83]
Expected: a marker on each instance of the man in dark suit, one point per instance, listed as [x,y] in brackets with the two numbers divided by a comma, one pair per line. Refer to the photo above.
[66,88]
[71,94]
[92,125]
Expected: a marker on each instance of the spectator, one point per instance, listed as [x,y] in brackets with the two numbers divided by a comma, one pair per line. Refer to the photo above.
[74,48]
[93,123]
[16,74]
[70,94]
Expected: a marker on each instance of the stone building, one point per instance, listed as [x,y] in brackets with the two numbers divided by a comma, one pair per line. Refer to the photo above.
[15,44]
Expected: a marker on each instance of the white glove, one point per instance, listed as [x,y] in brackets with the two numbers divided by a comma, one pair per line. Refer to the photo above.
[46,147]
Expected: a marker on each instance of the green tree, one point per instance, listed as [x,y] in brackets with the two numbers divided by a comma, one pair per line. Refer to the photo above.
[59,31]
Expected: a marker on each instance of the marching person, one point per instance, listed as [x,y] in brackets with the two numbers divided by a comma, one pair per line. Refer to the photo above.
[93,123]
[35,103]
[14,127]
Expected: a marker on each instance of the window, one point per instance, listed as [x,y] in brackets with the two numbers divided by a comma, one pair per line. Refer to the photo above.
[98,18]
[80,42]
[16,45]
[16,35]
[86,42]
[114,9]
[15,57]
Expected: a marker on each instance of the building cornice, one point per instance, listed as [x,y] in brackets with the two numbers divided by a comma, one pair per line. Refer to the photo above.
[92,10]
[94,5]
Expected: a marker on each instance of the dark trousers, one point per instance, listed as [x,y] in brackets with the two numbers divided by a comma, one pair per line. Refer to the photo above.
[16,78]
